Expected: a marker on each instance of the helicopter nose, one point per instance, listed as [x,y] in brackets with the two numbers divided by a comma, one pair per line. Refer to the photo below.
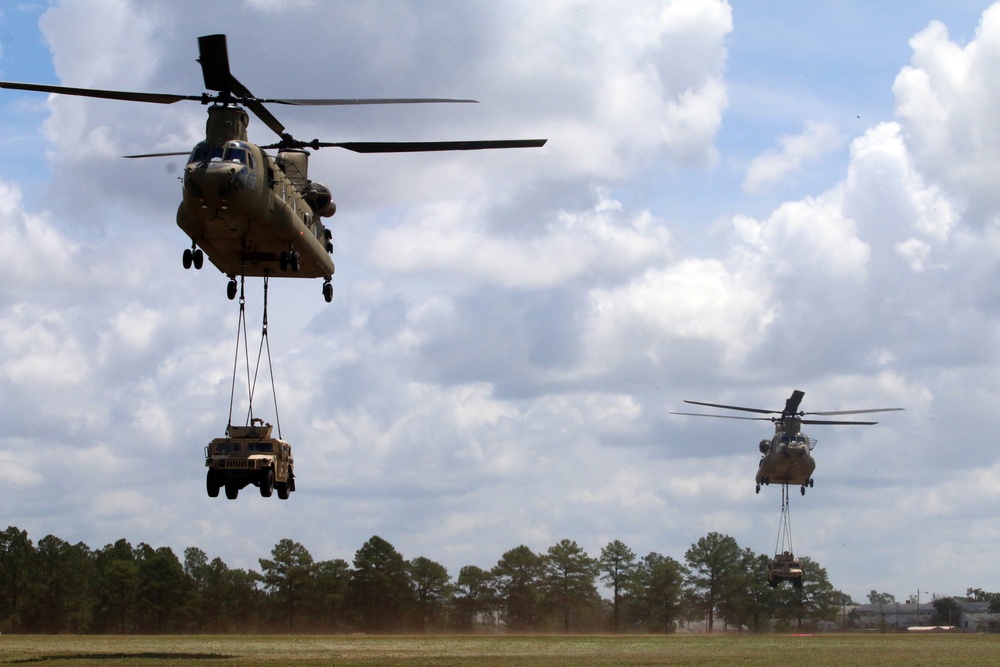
[225,180]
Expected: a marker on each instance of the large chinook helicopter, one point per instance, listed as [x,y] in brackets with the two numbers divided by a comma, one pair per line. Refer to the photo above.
[786,457]
[253,214]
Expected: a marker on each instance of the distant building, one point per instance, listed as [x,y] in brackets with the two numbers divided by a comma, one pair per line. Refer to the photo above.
[893,615]
[977,617]
[972,617]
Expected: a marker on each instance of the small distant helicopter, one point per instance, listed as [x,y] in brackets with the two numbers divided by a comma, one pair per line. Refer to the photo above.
[253,214]
[785,458]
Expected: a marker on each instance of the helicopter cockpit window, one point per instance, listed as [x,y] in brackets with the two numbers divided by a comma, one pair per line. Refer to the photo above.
[204,153]
[235,155]
[239,153]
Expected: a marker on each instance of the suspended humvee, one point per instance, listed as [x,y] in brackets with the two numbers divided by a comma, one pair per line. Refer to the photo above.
[784,567]
[249,455]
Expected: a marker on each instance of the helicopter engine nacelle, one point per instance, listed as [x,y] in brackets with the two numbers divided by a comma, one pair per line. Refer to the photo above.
[320,199]
[764,446]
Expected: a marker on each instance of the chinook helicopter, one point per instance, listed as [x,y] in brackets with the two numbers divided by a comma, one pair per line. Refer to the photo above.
[786,458]
[253,214]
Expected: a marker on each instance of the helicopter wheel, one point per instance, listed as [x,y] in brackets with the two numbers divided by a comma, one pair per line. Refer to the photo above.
[283,260]
[758,489]
[293,260]
[231,289]
[198,258]
[810,482]
[803,489]
[187,258]
[328,292]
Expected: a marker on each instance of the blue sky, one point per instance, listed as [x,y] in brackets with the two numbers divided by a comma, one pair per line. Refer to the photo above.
[736,200]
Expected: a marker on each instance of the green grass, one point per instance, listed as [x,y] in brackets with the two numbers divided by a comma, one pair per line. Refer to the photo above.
[489,651]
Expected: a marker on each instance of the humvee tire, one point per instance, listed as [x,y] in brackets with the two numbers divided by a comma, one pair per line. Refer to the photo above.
[267,483]
[212,485]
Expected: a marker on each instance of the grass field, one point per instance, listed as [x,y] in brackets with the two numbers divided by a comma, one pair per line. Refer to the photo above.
[487,651]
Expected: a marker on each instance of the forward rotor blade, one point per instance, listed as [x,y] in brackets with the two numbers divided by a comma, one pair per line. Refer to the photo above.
[128,96]
[855,412]
[157,154]
[736,407]
[410,146]
[698,414]
[423,146]
[369,100]
[826,421]
[214,59]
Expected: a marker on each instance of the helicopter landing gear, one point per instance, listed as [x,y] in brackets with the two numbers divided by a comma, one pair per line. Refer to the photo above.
[231,289]
[758,489]
[289,259]
[193,256]
[328,291]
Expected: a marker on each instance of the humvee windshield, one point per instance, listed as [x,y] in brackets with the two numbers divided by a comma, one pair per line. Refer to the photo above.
[228,448]
[260,447]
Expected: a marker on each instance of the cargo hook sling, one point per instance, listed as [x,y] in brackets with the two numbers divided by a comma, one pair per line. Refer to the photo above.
[265,346]
[784,541]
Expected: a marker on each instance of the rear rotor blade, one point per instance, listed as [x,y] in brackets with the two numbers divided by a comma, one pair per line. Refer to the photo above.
[736,407]
[128,96]
[214,59]
[792,404]
[261,112]
[697,414]
[369,100]
[855,412]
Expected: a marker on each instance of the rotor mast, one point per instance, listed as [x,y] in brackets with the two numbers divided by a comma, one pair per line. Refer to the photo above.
[226,123]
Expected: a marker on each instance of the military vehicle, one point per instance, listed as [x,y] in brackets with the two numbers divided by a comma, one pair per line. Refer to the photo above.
[786,458]
[250,213]
[249,455]
[784,567]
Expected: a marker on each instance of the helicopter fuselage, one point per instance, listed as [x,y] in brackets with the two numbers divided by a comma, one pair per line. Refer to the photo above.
[249,211]
[786,459]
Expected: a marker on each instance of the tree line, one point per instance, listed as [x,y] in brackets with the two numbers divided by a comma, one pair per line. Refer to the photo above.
[57,587]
